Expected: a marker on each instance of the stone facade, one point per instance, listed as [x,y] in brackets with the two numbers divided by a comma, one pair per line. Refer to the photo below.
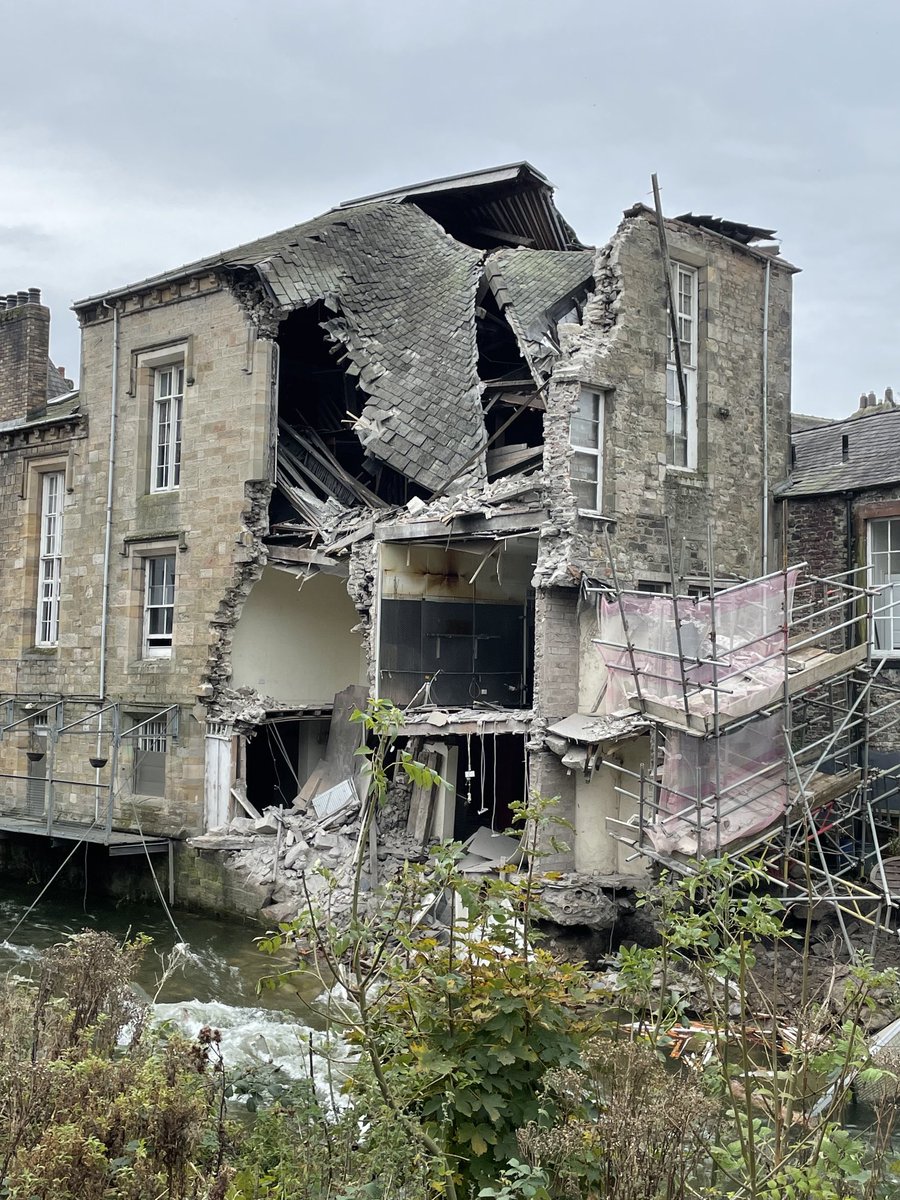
[226,333]
[620,349]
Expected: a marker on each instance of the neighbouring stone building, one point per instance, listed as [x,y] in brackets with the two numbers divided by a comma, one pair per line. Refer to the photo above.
[841,511]
[381,451]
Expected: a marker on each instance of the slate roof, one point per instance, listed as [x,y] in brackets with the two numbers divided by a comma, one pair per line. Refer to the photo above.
[528,284]
[872,457]
[403,293]
[800,422]
[56,384]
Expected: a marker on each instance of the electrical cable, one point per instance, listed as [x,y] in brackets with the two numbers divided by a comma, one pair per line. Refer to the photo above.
[494,809]
[483,807]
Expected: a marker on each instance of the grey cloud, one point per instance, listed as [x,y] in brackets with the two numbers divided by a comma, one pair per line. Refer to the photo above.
[136,137]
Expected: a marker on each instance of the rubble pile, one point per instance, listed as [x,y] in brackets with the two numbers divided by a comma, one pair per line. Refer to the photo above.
[284,851]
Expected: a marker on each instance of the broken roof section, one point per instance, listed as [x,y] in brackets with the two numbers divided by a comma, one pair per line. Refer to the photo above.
[534,289]
[401,273]
[403,295]
[510,205]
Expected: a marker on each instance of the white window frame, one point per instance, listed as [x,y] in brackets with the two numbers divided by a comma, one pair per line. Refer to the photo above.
[53,487]
[886,606]
[685,292]
[158,644]
[168,403]
[598,396]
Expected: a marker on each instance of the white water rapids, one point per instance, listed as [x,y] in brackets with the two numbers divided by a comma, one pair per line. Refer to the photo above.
[214,984]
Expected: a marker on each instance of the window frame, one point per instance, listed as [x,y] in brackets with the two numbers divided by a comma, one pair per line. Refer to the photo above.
[891,582]
[166,419]
[599,395]
[158,645]
[688,341]
[49,567]
[151,738]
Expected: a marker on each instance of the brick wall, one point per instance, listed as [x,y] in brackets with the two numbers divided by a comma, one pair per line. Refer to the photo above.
[817,534]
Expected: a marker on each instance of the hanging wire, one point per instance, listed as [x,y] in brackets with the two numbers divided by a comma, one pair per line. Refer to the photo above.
[483,808]
[494,809]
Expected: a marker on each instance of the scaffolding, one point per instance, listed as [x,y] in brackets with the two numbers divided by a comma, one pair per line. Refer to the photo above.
[770,731]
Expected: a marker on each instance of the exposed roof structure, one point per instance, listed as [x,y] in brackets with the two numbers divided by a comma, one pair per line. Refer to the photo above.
[403,294]
[401,273]
[845,456]
[737,231]
[512,204]
[529,284]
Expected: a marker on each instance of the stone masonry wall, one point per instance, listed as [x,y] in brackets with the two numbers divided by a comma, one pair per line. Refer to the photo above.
[555,696]
[211,524]
[621,349]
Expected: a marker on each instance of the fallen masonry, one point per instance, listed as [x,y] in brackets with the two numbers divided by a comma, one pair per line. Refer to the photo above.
[287,855]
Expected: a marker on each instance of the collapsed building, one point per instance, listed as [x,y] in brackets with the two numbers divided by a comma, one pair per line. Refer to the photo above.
[395,450]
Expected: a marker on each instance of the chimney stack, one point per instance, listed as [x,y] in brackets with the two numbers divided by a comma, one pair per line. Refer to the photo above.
[24,355]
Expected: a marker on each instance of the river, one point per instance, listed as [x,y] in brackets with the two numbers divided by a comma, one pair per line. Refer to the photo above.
[214,984]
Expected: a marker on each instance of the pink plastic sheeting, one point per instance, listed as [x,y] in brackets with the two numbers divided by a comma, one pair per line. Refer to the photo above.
[752,788]
[750,613]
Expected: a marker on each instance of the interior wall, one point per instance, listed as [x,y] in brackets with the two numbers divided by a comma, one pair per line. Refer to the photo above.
[592,673]
[295,643]
[459,617]
[595,850]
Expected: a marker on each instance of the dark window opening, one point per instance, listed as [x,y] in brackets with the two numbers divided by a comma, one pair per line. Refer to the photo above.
[281,756]
[318,400]
[457,626]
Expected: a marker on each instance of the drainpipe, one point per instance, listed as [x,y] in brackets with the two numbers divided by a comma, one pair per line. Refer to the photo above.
[104,614]
[765,425]
[107,534]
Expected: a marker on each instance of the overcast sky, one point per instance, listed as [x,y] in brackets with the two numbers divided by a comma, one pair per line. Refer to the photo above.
[135,137]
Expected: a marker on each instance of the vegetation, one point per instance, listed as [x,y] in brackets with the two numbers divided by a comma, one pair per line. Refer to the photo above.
[485,1067]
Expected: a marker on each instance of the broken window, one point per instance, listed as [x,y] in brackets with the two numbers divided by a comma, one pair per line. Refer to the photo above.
[586,435]
[150,745]
[681,413]
[159,605]
[168,395]
[50,565]
[457,625]
[884,559]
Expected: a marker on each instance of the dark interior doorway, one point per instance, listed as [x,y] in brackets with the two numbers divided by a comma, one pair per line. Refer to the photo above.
[497,779]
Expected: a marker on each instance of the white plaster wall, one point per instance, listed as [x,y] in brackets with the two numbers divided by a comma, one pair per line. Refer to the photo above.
[595,850]
[592,671]
[294,643]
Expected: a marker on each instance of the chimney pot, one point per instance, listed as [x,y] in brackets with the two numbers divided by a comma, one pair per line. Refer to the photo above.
[23,296]
[889,395]
[872,400]
[34,295]
[2,303]
[12,300]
